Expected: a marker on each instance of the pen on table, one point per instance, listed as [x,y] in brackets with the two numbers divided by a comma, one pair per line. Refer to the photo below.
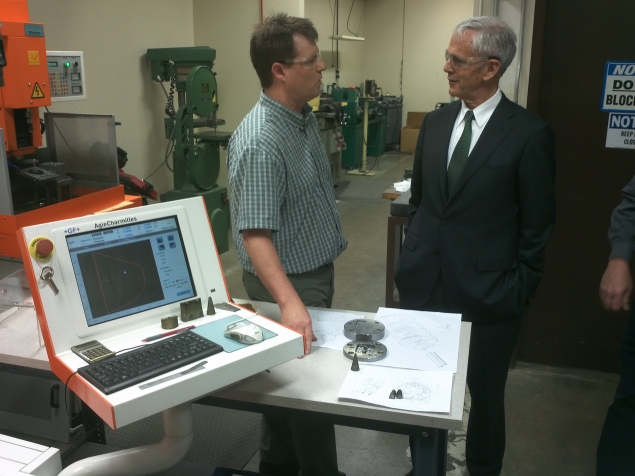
[166,334]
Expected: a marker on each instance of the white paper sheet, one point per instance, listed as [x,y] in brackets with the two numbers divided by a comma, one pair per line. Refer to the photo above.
[422,391]
[328,326]
[420,340]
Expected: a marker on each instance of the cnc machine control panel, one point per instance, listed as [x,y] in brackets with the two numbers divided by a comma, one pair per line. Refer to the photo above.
[66,75]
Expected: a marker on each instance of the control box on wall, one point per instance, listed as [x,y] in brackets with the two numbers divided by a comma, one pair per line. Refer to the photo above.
[66,75]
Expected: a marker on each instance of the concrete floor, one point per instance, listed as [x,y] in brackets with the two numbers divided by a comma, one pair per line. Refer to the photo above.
[554,416]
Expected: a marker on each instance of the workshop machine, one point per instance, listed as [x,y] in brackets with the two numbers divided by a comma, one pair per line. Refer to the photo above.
[24,88]
[353,122]
[24,80]
[329,116]
[196,155]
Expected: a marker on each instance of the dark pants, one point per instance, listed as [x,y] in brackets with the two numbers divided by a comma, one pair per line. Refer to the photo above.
[289,445]
[491,348]
[616,450]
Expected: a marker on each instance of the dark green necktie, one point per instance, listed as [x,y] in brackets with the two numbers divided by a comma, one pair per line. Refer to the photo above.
[461,151]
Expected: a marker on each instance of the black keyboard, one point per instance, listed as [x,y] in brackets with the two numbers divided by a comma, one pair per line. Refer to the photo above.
[122,371]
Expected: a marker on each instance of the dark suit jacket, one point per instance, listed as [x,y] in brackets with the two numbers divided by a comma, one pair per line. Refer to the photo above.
[487,239]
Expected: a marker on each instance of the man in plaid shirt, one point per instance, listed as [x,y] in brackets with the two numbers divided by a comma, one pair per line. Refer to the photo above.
[285,222]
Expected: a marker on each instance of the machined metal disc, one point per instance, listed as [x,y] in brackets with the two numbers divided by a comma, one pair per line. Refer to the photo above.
[366,351]
[364,330]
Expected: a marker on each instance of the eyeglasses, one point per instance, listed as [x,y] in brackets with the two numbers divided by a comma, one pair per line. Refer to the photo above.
[309,62]
[457,62]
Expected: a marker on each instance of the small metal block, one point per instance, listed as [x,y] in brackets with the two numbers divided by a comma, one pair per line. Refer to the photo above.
[210,307]
[195,308]
[355,365]
[169,322]
[185,312]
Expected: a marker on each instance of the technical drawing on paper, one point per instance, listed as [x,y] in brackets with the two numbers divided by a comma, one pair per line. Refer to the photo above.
[324,337]
[414,390]
[410,333]
[421,391]
[368,386]
[325,318]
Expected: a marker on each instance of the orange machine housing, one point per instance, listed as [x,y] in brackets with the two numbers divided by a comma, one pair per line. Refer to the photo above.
[26,84]
[26,89]
[107,200]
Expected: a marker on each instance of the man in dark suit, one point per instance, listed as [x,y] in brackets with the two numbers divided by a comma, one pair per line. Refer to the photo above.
[481,210]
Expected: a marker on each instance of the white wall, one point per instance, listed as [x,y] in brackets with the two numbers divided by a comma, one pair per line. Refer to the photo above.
[114,36]
[428,27]
[351,53]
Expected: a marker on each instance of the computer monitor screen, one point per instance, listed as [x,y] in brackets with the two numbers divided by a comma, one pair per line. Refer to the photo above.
[127,269]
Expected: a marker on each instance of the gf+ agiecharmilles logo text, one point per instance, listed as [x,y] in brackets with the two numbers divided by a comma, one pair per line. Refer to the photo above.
[109,223]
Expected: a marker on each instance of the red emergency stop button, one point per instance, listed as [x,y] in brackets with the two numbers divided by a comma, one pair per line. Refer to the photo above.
[41,248]
[44,247]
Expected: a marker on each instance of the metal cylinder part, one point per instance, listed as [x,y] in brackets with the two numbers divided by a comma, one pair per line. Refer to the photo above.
[364,330]
[169,322]
[365,351]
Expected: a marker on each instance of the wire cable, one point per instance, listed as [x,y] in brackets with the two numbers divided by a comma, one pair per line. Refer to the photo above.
[168,150]
[359,27]
[66,397]
[403,40]
[169,107]
[349,18]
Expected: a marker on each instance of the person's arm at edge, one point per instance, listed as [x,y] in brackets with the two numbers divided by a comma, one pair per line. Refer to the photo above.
[616,285]
[266,262]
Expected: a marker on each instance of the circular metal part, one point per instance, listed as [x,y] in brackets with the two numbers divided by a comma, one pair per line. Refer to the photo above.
[169,322]
[364,330]
[366,351]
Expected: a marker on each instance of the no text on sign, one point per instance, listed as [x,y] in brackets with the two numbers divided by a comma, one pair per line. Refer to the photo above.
[618,93]
[621,131]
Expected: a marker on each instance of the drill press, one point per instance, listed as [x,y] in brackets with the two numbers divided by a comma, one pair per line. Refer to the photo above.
[196,155]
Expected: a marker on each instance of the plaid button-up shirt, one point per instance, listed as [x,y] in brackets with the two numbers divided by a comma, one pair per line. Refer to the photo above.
[280,180]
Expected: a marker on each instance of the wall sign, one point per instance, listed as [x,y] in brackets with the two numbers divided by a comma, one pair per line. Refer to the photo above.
[618,93]
[621,131]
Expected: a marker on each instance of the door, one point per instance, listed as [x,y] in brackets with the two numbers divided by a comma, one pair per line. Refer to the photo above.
[566,324]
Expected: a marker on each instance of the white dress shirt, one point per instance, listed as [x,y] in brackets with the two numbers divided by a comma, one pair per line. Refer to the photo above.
[482,114]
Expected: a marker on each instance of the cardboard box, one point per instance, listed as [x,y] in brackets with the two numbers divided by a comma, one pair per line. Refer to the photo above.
[410,133]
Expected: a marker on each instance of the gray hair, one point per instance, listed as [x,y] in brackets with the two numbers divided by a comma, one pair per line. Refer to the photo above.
[493,38]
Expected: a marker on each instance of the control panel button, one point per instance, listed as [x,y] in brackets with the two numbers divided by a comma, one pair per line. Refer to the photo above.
[41,248]
[44,247]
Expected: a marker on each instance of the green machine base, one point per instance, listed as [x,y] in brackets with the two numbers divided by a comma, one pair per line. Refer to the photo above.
[354,138]
[218,209]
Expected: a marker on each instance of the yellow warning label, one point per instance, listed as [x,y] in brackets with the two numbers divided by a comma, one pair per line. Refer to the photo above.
[34,58]
[214,98]
[37,92]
